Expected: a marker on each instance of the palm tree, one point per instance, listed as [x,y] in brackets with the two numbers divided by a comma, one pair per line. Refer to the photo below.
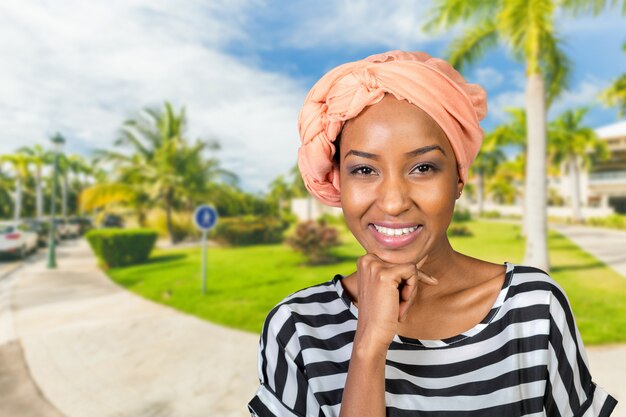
[6,183]
[20,164]
[615,95]
[161,166]
[485,165]
[573,144]
[39,157]
[527,29]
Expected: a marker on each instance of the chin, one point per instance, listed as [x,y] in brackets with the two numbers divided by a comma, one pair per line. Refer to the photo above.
[397,256]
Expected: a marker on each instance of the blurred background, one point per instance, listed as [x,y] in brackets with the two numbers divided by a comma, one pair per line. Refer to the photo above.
[120,118]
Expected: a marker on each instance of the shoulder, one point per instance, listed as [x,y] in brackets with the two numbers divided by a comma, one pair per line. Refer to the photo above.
[306,305]
[531,286]
[523,278]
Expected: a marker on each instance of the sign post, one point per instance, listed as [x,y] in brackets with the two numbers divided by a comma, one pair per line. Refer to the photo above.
[205,217]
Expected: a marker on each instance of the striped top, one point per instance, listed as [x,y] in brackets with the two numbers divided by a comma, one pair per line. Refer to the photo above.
[525,358]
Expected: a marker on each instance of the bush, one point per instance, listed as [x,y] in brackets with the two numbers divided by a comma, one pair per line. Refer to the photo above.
[459,231]
[613,221]
[250,230]
[314,240]
[461,215]
[121,247]
[493,214]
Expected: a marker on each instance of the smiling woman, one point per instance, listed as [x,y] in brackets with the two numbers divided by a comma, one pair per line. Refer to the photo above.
[418,327]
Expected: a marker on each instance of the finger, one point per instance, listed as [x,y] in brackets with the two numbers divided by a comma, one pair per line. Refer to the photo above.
[427,279]
[408,294]
[421,262]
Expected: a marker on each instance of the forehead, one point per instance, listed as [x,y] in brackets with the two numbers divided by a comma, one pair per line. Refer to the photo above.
[393,124]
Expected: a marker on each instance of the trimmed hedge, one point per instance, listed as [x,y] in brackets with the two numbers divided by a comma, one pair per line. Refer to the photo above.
[250,230]
[121,247]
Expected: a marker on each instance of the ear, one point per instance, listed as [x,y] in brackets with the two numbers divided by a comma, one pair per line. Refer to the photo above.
[459,188]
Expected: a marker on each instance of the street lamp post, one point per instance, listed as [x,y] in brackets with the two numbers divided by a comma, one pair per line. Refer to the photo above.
[58,141]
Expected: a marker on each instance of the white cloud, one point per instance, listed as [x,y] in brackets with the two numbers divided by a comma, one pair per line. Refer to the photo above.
[487,77]
[584,94]
[84,67]
[497,106]
[359,23]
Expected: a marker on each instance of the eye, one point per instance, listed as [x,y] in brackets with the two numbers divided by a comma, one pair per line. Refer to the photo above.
[425,168]
[363,170]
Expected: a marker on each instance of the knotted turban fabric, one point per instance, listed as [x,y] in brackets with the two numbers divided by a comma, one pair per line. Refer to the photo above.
[430,83]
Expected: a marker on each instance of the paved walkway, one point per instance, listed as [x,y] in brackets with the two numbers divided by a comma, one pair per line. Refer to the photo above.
[607,245]
[95,350]
[74,344]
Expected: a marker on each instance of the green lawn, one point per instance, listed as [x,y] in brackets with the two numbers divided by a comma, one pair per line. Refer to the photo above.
[244,283]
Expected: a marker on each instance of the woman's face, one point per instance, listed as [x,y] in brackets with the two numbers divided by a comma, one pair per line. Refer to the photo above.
[399,181]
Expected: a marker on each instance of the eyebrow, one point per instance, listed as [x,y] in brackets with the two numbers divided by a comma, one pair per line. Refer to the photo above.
[415,152]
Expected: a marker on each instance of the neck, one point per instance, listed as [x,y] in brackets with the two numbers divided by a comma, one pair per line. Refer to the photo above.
[441,261]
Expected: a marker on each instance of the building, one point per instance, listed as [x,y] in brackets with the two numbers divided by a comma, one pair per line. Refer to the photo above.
[606,183]
[603,190]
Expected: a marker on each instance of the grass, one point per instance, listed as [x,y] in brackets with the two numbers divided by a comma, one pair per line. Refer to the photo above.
[245,282]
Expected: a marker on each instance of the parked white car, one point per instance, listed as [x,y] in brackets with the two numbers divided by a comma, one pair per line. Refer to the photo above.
[17,239]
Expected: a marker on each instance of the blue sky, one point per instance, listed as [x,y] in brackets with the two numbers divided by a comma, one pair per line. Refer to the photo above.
[241,68]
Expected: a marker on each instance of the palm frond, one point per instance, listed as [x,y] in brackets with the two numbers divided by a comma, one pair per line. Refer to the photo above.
[101,195]
[472,45]
[591,6]
[556,68]
[615,95]
[447,13]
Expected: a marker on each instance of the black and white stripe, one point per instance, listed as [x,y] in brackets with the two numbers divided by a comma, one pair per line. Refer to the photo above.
[525,358]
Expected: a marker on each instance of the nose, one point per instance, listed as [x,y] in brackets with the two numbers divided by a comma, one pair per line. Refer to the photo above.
[393,195]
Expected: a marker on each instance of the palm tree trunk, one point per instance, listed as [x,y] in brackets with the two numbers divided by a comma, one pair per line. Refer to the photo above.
[535,192]
[577,210]
[480,194]
[18,198]
[168,216]
[64,187]
[39,193]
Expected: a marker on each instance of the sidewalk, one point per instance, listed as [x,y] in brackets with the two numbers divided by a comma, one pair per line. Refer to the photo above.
[607,245]
[96,350]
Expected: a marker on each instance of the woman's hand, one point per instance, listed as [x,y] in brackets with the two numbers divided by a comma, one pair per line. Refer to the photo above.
[385,293]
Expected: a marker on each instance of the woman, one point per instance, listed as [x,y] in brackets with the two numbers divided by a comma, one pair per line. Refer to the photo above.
[418,328]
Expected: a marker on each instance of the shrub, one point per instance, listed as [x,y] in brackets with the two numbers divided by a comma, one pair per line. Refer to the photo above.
[121,247]
[613,221]
[250,230]
[459,231]
[461,215]
[314,240]
[492,214]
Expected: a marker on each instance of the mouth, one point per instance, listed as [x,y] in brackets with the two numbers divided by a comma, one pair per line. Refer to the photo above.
[395,236]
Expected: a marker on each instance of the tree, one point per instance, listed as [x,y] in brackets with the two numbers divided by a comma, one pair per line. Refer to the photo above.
[615,95]
[160,165]
[39,157]
[572,143]
[526,28]
[19,163]
[6,183]
[503,184]
[485,165]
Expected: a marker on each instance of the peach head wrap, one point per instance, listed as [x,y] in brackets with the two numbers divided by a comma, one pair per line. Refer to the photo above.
[432,84]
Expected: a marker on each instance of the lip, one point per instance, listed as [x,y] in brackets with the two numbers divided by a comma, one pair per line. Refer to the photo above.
[395,242]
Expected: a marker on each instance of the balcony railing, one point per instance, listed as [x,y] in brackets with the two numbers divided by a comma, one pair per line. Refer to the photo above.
[611,176]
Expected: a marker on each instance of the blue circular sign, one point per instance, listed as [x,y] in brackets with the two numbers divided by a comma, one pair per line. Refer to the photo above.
[205,217]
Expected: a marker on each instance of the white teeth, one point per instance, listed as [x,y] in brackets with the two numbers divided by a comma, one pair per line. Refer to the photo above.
[395,232]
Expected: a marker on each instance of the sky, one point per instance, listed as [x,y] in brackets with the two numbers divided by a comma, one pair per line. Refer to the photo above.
[241,68]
